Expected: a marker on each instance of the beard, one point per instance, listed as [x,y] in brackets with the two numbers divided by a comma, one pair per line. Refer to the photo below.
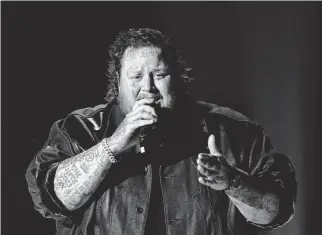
[124,103]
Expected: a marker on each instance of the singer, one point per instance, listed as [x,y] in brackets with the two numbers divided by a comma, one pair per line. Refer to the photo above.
[151,160]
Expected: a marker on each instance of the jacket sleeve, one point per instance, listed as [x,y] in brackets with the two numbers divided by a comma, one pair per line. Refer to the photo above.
[41,172]
[273,170]
[248,149]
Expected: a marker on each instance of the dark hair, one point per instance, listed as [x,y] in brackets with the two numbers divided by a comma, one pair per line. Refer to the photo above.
[139,38]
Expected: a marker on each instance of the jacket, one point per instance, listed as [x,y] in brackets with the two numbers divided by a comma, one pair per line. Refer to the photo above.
[120,205]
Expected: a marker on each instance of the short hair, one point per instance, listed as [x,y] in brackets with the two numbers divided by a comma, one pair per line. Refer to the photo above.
[142,37]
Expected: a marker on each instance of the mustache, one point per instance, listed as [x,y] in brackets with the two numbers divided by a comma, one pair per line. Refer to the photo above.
[144,94]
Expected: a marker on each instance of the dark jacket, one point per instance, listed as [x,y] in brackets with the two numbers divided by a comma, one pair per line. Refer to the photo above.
[121,203]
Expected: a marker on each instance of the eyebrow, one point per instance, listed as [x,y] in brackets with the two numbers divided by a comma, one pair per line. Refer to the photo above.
[163,68]
[134,69]
[158,70]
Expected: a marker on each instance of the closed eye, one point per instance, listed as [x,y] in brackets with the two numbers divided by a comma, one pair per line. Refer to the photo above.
[136,76]
[160,75]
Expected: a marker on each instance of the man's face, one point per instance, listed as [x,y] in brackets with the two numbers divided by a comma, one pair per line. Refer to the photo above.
[143,72]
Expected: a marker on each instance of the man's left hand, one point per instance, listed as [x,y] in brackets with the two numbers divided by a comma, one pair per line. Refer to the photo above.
[213,167]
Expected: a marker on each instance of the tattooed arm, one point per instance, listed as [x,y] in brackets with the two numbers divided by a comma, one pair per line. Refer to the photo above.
[255,205]
[78,177]
[258,204]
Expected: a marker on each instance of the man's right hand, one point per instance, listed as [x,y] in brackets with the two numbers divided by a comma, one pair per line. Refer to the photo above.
[128,132]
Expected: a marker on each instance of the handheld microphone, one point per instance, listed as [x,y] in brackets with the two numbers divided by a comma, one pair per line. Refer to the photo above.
[146,133]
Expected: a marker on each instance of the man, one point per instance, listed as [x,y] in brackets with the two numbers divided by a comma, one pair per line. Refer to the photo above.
[151,160]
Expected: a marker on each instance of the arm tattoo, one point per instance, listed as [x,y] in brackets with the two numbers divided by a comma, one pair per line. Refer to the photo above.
[256,206]
[84,167]
[78,177]
[270,203]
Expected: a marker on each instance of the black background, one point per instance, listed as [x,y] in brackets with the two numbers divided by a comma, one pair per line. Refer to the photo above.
[262,59]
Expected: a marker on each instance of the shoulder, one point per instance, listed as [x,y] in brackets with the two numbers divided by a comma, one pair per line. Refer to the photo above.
[89,112]
[211,109]
[90,118]
[213,116]
[83,116]
[86,126]
[93,117]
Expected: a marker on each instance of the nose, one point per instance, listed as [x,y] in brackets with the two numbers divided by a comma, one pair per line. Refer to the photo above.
[148,83]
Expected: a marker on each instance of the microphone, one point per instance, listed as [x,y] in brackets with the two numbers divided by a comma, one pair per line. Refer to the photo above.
[144,136]
[147,133]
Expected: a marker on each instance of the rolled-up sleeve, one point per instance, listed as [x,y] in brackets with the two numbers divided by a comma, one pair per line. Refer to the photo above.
[41,172]
[276,174]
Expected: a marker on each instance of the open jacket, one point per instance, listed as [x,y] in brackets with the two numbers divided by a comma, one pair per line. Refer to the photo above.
[120,205]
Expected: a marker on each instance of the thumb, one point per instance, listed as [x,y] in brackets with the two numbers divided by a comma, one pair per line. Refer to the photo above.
[212,146]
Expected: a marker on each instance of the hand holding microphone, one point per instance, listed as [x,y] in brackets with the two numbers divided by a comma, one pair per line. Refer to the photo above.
[147,131]
[129,131]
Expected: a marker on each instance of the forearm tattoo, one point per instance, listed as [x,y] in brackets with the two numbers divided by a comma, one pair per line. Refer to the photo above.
[256,206]
[78,177]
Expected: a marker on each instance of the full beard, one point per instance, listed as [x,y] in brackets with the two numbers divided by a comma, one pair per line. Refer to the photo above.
[124,104]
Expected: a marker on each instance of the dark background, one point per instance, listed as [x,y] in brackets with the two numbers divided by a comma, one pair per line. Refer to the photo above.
[262,59]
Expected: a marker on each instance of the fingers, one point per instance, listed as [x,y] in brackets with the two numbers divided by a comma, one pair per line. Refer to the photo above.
[143,108]
[206,172]
[212,146]
[205,156]
[143,101]
[211,180]
[213,183]
[141,123]
[211,176]
[142,116]
[208,182]
[208,162]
